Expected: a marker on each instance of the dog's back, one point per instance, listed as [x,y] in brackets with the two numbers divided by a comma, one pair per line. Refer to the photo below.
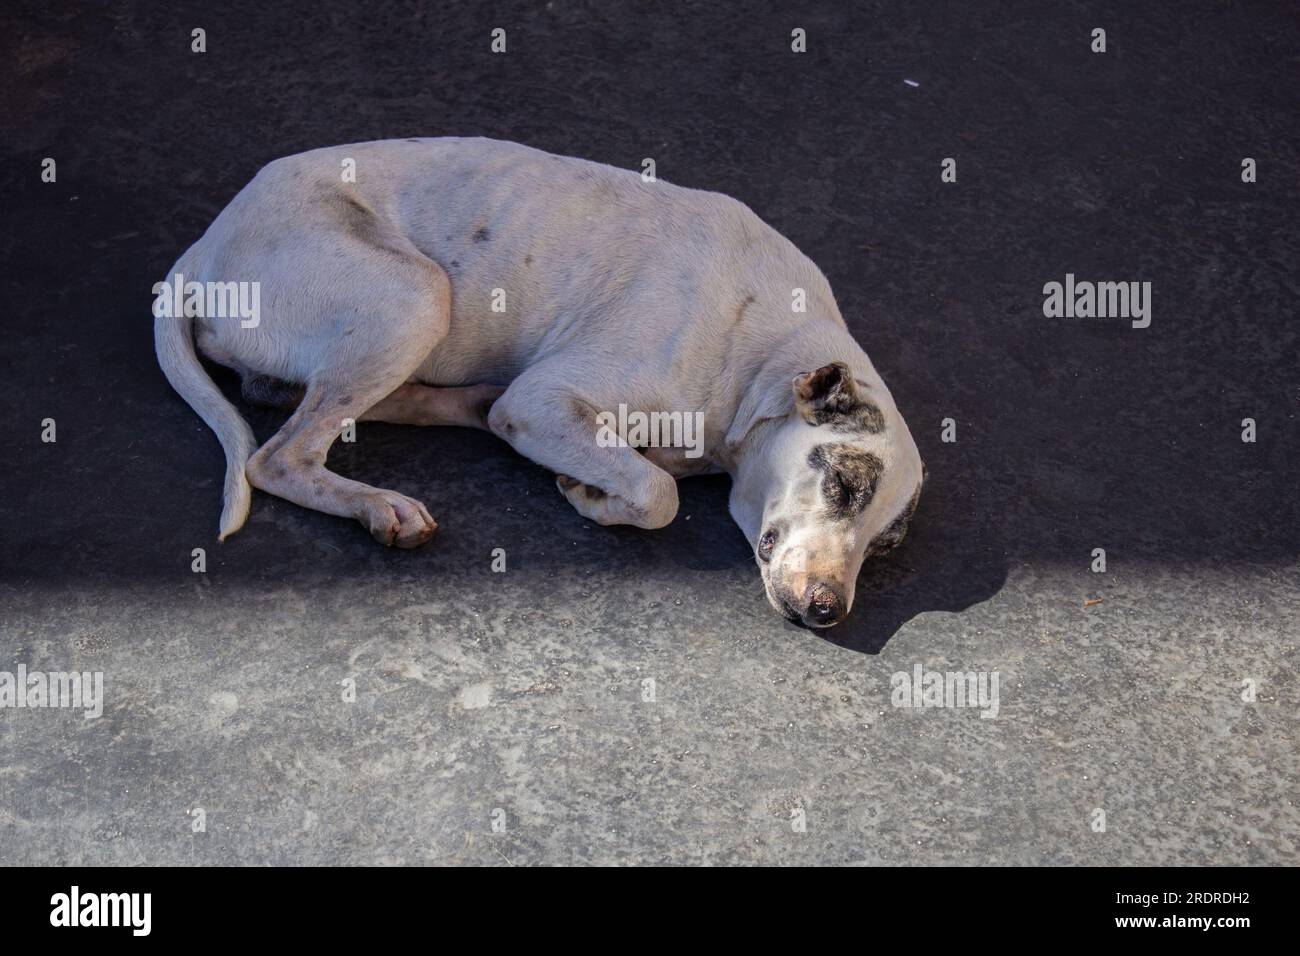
[542,251]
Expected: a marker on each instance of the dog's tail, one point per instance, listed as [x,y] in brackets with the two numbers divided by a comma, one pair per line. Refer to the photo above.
[173,339]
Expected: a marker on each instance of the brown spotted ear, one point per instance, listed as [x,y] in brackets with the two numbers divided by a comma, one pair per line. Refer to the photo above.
[825,393]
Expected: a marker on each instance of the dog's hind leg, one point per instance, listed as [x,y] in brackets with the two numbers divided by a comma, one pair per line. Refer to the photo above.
[357,372]
[553,425]
[413,404]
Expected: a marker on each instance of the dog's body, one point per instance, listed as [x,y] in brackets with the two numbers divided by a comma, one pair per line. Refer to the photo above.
[453,267]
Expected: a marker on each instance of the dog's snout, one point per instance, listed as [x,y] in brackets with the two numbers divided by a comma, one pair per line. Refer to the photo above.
[825,606]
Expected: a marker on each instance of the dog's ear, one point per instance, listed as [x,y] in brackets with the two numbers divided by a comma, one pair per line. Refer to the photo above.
[757,405]
[826,392]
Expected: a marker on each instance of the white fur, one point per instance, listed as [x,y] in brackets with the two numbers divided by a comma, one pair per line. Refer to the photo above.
[616,290]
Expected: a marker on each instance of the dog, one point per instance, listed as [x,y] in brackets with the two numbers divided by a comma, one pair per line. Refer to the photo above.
[481,283]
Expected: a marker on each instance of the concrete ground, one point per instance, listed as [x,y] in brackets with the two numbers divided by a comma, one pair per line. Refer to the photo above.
[503,718]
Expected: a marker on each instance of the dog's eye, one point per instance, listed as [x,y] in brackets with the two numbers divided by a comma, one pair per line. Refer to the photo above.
[766,544]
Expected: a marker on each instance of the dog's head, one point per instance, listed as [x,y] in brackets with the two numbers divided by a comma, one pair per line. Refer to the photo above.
[823,486]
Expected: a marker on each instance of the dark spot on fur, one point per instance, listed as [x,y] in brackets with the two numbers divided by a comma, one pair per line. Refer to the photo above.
[281,472]
[896,531]
[528,260]
[263,455]
[863,417]
[740,310]
[482,234]
[344,400]
[849,478]
[829,396]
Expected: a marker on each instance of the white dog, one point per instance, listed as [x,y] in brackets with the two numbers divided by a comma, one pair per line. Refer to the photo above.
[441,270]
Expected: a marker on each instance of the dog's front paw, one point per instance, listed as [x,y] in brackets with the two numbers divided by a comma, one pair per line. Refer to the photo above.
[594,503]
[571,486]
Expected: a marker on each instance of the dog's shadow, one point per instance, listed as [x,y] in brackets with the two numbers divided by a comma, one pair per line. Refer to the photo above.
[924,574]
[949,561]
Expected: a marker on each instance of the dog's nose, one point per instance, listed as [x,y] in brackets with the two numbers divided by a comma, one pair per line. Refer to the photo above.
[825,607]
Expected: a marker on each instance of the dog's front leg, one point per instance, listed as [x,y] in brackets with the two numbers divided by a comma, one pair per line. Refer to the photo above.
[557,428]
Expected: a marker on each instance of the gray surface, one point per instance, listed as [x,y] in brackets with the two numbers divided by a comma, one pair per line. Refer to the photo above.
[523,691]
[526,695]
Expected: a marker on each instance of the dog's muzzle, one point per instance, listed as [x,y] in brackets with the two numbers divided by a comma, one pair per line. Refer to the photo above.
[825,606]
[821,606]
